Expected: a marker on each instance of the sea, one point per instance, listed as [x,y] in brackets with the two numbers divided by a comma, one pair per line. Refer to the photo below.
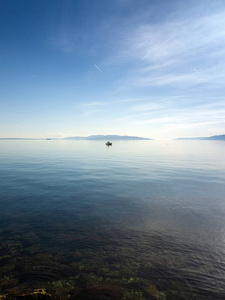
[139,218]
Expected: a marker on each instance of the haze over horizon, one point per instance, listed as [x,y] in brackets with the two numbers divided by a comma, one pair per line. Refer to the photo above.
[152,69]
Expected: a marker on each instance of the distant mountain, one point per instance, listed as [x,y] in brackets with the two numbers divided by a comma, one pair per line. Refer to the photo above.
[91,137]
[214,137]
[107,137]
[217,137]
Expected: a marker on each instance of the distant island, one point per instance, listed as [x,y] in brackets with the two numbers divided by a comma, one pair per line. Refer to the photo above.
[214,137]
[91,137]
[107,137]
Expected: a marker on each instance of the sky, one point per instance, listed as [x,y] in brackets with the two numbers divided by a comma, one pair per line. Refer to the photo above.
[149,68]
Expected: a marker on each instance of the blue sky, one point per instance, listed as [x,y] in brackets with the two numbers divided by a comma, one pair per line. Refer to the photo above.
[151,68]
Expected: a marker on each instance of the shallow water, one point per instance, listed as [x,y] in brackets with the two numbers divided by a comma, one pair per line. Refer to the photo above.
[139,210]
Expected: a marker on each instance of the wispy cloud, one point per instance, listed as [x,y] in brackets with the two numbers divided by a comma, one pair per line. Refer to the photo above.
[188,119]
[91,112]
[169,52]
[91,108]
[174,115]
[92,104]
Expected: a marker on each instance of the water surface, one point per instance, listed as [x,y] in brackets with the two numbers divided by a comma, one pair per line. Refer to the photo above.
[137,212]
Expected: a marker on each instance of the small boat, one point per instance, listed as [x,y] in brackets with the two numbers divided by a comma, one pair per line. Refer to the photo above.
[108,144]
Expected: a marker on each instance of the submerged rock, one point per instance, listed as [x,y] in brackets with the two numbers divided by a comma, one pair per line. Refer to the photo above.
[37,294]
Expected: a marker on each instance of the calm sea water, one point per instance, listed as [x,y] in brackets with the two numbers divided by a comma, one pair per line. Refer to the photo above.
[139,210]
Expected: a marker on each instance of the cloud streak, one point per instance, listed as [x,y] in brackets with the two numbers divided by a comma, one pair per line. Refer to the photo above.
[166,54]
[92,104]
[91,112]
[190,115]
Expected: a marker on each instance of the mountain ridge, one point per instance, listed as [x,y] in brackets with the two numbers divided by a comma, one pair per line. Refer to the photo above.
[90,137]
[214,137]
[107,137]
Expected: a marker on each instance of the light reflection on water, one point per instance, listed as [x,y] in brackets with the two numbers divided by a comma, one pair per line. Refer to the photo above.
[159,204]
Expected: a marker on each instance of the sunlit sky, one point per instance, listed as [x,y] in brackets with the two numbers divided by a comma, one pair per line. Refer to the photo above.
[150,68]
